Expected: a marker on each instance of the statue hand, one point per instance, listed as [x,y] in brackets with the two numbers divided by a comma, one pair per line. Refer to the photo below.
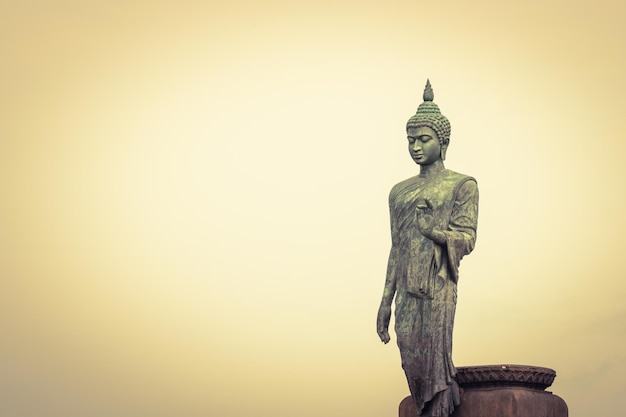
[382,323]
[425,220]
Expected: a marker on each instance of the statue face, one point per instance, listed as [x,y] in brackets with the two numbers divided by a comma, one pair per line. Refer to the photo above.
[424,145]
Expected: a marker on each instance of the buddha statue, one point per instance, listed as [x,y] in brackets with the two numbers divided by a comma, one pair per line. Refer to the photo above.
[433,225]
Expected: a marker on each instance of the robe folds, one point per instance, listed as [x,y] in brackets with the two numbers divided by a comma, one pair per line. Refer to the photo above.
[424,275]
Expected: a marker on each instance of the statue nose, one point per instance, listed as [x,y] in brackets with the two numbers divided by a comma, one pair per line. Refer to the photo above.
[416,146]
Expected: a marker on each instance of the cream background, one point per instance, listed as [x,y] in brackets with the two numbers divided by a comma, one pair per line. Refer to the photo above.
[193,207]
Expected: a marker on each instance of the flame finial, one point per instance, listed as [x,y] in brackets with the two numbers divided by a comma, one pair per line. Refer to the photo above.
[428,92]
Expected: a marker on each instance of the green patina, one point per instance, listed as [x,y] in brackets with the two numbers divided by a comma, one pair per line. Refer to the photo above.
[433,225]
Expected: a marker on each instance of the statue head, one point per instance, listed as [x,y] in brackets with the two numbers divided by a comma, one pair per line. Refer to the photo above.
[429,116]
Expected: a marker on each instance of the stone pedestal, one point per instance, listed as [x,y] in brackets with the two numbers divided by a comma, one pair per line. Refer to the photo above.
[502,391]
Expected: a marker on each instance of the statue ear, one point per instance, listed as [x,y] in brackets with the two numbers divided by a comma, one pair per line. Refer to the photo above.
[444,148]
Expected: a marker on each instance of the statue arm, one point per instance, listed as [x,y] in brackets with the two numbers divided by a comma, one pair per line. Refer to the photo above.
[384,311]
[460,237]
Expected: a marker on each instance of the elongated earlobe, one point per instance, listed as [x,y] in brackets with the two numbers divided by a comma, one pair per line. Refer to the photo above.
[444,148]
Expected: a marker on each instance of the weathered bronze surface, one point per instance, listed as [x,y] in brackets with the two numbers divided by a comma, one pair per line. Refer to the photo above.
[433,225]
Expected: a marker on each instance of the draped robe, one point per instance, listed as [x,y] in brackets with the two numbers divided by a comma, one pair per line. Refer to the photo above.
[424,275]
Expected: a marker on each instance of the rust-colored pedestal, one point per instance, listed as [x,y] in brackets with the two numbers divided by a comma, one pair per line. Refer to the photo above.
[502,391]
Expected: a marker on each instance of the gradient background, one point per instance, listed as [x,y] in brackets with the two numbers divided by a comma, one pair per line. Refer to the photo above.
[193,199]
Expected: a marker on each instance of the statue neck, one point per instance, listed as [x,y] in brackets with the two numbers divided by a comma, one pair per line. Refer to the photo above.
[431,169]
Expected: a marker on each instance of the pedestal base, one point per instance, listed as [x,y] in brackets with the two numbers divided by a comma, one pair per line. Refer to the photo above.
[502,391]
